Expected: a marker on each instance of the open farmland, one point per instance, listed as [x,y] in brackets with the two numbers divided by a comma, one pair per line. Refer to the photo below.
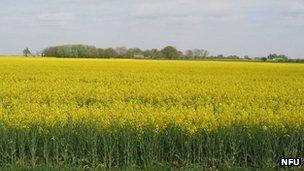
[109,113]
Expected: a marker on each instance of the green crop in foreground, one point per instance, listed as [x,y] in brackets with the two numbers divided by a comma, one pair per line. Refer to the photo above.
[110,113]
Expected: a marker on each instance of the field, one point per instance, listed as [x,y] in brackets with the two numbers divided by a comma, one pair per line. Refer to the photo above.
[136,113]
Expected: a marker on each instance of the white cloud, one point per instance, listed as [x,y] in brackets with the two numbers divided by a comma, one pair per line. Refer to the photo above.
[83,3]
[182,7]
[55,18]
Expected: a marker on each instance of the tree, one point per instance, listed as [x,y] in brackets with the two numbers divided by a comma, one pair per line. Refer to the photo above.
[180,54]
[220,56]
[75,51]
[134,52]
[200,53]
[121,51]
[205,53]
[86,51]
[109,53]
[247,57]
[277,57]
[272,56]
[170,52]
[100,53]
[26,52]
[152,53]
[283,57]
[189,54]
[233,57]
[264,59]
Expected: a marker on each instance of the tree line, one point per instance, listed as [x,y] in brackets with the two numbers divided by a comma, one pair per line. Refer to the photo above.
[168,52]
[86,51]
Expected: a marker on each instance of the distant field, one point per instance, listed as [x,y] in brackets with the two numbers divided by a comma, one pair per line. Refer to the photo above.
[112,113]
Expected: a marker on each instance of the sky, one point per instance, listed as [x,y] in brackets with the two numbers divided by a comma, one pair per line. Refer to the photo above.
[230,27]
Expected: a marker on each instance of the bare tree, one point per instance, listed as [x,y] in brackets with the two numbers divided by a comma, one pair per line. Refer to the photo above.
[206,53]
[26,52]
[121,51]
[189,54]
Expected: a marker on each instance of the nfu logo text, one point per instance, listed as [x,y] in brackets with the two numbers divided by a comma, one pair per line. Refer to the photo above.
[290,162]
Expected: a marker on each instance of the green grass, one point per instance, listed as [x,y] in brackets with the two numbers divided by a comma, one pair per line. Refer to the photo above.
[88,148]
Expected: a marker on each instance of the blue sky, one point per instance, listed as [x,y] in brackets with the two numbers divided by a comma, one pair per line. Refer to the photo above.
[251,27]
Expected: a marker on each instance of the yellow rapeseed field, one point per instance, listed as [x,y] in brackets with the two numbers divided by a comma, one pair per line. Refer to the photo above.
[143,112]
